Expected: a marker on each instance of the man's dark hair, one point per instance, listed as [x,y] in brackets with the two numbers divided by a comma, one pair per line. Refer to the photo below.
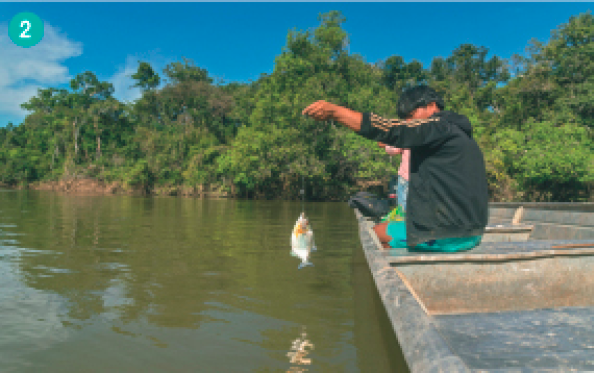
[416,97]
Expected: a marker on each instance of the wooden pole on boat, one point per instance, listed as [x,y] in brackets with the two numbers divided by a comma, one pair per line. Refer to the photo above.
[518,215]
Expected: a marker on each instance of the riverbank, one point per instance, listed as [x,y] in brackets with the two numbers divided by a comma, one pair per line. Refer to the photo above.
[90,186]
[86,185]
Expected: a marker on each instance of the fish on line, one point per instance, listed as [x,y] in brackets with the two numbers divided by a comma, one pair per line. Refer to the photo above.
[302,241]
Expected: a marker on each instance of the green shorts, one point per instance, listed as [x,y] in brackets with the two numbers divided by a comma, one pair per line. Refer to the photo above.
[397,230]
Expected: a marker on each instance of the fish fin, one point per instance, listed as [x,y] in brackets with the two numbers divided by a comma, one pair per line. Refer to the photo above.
[305,264]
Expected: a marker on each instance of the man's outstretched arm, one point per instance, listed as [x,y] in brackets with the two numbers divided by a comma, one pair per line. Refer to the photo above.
[322,110]
[395,132]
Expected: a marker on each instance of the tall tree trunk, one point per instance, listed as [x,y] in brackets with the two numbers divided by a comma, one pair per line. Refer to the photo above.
[75,132]
[98,147]
[98,137]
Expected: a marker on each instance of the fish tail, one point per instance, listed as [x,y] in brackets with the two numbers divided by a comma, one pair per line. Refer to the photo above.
[305,264]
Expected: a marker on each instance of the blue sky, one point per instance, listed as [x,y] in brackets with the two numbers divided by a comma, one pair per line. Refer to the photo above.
[239,41]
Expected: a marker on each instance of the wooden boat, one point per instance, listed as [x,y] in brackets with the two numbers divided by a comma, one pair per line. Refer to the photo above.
[522,301]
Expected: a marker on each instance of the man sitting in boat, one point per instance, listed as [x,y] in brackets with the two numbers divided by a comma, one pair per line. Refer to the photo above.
[448,197]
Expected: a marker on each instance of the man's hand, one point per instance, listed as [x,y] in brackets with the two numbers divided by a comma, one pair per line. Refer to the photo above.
[390,149]
[320,110]
[393,151]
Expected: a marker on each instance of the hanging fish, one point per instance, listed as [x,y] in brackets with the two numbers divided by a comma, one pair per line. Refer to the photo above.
[302,241]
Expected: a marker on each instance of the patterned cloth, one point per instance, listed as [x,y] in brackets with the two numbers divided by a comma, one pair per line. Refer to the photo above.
[402,192]
[404,164]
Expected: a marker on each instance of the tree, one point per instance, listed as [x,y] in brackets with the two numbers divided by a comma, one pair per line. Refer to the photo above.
[398,74]
[104,114]
[179,72]
[146,78]
[470,68]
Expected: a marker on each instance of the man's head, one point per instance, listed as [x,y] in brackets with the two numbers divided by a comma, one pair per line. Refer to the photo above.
[419,102]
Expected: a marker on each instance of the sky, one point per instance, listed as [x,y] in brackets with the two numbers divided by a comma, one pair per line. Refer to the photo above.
[236,42]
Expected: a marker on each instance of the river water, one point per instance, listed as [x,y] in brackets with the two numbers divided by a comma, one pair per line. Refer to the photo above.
[134,284]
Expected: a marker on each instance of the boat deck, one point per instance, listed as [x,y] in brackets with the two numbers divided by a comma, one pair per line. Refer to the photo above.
[537,339]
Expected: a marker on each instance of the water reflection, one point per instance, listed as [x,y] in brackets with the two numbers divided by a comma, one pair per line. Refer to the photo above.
[300,348]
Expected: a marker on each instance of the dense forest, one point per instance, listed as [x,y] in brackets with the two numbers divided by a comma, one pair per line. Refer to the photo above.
[532,115]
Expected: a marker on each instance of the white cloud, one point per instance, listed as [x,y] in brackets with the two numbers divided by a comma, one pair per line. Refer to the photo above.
[25,70]
[123,82]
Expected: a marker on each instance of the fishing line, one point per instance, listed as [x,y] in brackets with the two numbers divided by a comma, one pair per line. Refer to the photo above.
[302,192]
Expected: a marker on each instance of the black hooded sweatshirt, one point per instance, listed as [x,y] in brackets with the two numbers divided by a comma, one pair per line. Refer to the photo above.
[448,194]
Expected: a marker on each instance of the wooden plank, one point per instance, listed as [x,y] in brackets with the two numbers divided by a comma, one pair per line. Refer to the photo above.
[576,245]
[506,228]
[427,258]
[411,289]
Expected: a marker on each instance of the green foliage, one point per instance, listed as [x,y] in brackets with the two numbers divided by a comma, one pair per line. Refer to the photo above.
[556,159]
[146,77]
[179,72]
[22,166]
[533,117]
[138,176]
[397,74]
[269,163]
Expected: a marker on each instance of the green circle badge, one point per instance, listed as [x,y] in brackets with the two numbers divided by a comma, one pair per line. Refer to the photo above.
[25,29]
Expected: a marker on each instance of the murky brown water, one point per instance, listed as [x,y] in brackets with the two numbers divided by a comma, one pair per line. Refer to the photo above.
[125,284]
